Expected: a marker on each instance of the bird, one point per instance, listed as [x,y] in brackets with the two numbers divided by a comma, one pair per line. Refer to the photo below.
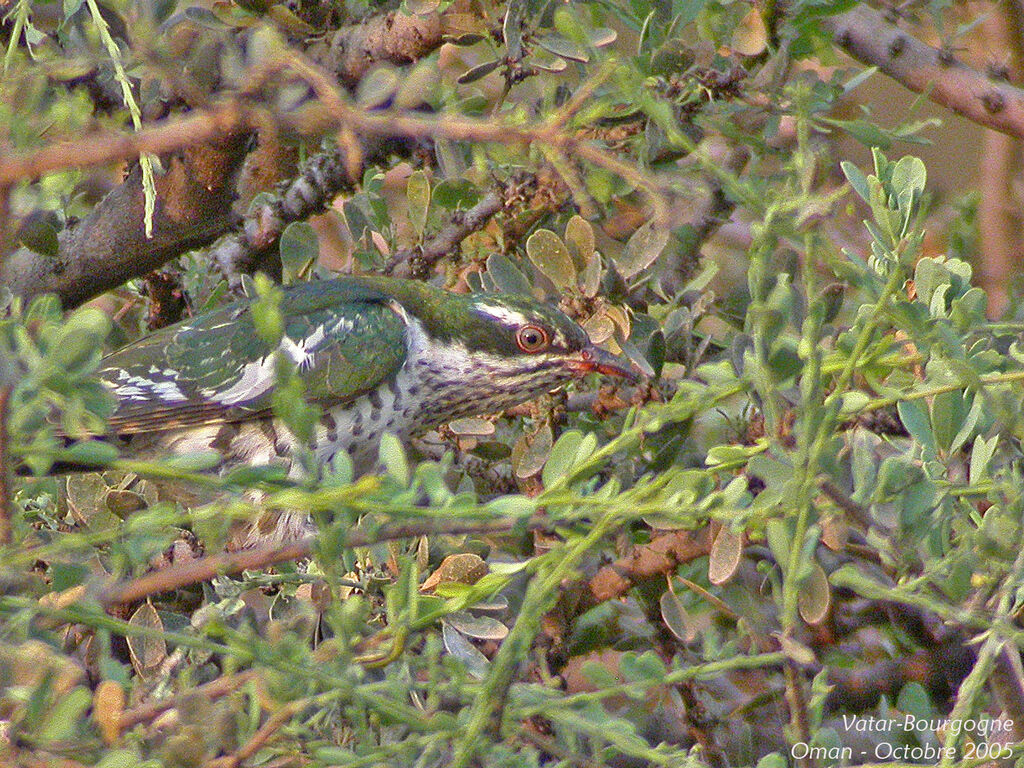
[376,354]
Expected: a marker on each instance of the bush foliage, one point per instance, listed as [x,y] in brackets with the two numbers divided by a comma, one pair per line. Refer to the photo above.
[809,515]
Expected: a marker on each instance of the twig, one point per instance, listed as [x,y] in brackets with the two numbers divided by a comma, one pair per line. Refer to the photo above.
[233,115]
[225,563]
[799,718]
[866,35]
[857,511]
[659,556]
[407,262]
[6,500]
[211,690]
[258,739]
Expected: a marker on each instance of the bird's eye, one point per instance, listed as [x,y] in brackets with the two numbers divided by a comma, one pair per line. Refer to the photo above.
[532,338]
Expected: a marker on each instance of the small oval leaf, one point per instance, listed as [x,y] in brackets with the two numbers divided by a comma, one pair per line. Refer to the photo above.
[549,254]
[602,36]
[506,276]
[642,249]
[478,72]
[477,627]
[725,556]
[147,653]
[567,49]
[675,616]
[531,451]
[417,192]
[458,646]
[378,87]
[815,596]
[579,238]
[472,427]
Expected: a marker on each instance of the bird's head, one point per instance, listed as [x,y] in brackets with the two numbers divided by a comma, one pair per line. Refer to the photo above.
[523,329]
[506,349]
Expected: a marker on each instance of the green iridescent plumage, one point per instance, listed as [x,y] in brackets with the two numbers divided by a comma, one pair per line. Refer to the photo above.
[375,354]
[194,372]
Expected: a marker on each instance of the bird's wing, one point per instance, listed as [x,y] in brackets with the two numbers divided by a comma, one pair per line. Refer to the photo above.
[344,340]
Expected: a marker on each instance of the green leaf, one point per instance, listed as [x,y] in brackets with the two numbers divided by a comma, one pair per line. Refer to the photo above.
[195,461]
[579,237]
[564,48]
[949,413]
[867,133]
[478,72]
[549,254]
[378,87]
[642,249]
[675,615]
[981,455]
[686,11]
[909,175]
[65,716]
[76,347]
[916,420]
[40,235]
[772,760]
[417,192]
[392,456]
[914,700]
[90,453]
[602,36]
[815,595]
[779,534]
[300,248]
[455,193]
[506,276]
[562,457]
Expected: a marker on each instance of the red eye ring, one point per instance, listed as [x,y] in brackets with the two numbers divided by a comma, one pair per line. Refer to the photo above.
[532,338]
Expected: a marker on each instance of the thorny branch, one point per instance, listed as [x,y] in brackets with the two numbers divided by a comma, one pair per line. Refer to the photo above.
[868,36]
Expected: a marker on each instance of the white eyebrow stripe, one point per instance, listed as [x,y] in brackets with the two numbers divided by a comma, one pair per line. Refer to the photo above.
[503,314]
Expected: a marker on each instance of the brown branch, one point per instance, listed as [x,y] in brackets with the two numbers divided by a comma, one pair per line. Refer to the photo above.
[866,35]
[397,38]
[205,568]
[393,123]
[110,245]
[214,689]
[392,37]
[254,244]
[193,209]
[659,556]
[262,736]
[799,718]
[416,261]
[998,225]
[213,124]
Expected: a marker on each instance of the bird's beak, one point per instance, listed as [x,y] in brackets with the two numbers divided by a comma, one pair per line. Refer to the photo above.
[593,359]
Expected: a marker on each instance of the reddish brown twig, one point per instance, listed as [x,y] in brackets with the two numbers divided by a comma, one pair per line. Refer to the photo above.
[205,568]
[659,556]
[211,690]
